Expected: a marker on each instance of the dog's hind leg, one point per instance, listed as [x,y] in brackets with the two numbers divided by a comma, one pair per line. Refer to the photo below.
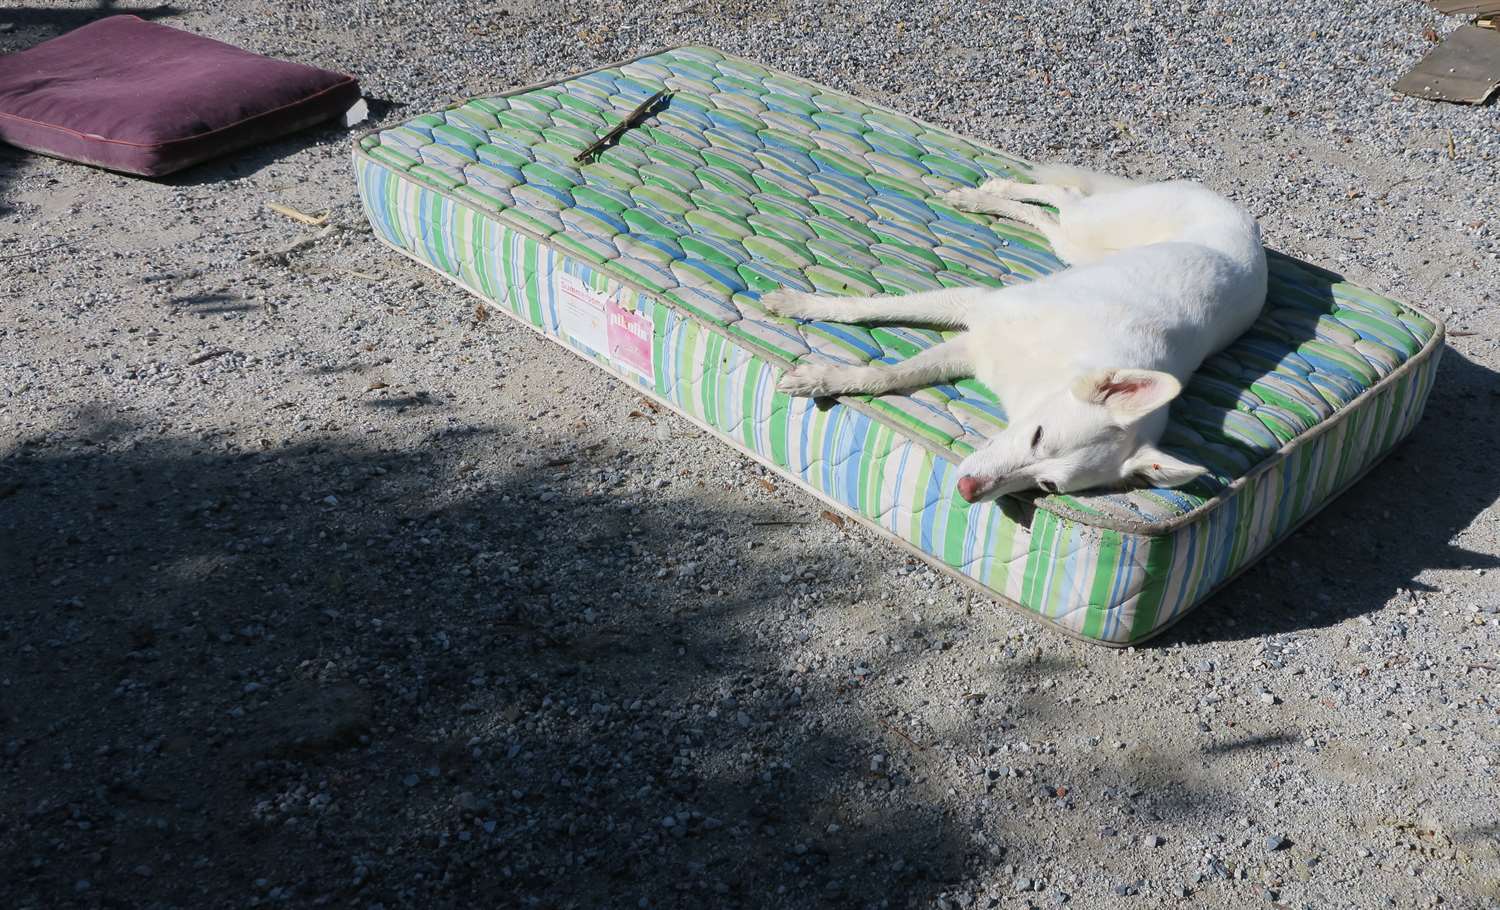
[949,360]
[950,307]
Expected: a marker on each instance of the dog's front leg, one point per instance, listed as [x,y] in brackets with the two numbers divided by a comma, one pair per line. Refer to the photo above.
[945,307]
[980,200]
[949,360]
[1001,189]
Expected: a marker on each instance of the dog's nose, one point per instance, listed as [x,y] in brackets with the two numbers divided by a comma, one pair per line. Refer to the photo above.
[970,488]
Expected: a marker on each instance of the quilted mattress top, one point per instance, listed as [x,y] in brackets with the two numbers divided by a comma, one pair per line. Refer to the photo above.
[746,180]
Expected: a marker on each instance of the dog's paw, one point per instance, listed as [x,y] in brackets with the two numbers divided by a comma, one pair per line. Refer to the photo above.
[785,302]
[966,199]
[809,380]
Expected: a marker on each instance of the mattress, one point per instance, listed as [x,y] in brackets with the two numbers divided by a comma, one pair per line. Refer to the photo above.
[650,258]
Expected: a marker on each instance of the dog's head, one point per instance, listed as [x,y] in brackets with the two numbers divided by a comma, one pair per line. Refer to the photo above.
[1086,435]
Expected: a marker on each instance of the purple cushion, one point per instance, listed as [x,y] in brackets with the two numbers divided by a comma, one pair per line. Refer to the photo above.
[133,96]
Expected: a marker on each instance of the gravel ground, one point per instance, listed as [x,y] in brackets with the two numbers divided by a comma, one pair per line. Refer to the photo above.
[315,591]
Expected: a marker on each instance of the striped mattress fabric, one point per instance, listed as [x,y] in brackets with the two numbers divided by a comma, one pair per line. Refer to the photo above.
[650,261]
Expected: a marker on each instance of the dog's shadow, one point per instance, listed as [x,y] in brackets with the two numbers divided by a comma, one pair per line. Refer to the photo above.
[1389,533]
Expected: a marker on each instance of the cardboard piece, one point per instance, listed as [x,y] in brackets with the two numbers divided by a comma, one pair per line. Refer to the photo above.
[1465,7]
[1465,68]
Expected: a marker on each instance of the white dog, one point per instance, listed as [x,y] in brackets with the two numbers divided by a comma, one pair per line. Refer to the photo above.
[1084,360]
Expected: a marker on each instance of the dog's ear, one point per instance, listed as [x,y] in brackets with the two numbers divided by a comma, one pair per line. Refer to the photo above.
[1129,394]
[1155,468]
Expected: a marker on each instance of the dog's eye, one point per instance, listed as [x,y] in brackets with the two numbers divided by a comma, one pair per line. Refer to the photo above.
[1047,485]
[1036,438]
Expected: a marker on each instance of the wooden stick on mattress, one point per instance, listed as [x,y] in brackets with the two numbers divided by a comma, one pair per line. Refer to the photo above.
[631,119]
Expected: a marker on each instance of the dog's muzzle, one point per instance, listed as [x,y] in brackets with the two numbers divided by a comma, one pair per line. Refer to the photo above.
[973,489]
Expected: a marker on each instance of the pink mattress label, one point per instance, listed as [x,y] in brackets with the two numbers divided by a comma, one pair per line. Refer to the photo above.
[600,324]
[580,313]
[630,341]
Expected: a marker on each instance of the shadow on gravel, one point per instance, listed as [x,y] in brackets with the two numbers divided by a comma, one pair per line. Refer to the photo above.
[10,163]
[428,678]
[1250,743]
[31,25]
[1378,538]
[212,303]
[247,162]
[403,402]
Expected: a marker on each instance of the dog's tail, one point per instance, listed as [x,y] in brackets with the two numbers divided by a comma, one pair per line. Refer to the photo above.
[1085,181]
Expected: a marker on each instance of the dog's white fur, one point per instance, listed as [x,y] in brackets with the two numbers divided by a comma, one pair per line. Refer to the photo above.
[1084,360]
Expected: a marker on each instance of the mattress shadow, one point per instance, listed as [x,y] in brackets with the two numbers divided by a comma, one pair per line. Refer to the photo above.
[1382,538]
[477,665]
